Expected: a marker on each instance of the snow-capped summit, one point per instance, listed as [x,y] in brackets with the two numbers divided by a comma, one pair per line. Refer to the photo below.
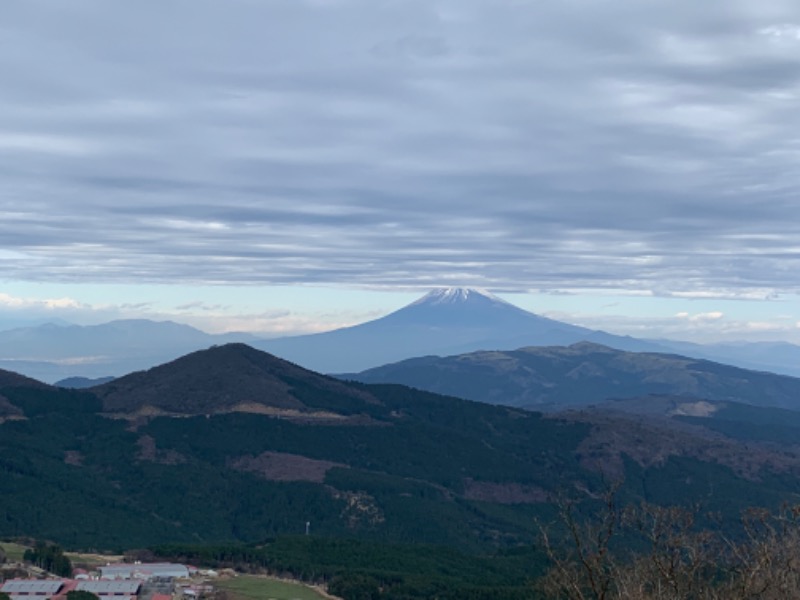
[455,295]
[444,321]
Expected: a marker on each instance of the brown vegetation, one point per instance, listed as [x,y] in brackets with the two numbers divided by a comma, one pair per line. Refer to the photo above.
[74,458]
[504,493]
[8,411]
[280,466]
[673,557]
[148,451]
[650,441]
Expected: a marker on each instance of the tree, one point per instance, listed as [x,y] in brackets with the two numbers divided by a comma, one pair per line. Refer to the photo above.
[50,558]
[81,595]
[353,586]
[649,552]
[140,554]
[584,568]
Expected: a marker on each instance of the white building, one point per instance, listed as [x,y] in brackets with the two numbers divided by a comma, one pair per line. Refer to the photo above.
[143,571]
[31,589]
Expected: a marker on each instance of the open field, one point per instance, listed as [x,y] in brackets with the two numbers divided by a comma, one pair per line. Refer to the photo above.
[246,587]
[13,551]
[92,560]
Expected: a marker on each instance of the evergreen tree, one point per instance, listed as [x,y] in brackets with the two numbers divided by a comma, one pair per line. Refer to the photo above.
[51,558]
[81,595]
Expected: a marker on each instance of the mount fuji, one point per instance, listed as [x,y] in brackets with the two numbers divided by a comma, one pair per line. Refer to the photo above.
[443,322]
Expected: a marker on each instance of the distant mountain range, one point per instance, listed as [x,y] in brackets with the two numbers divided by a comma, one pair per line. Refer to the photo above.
[53,352]
[458,320]
[81,383]
[777,357]
[554,378]
[444,322]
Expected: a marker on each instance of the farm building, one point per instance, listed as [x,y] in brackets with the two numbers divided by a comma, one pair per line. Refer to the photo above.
[143,571]
[118,590]
[51,589]
[32,589]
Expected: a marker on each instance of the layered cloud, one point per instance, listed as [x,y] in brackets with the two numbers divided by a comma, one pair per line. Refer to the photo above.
[703,327]
[508,144]
[19,311]
[10,302]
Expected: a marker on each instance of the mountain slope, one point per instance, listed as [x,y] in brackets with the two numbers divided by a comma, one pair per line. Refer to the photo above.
[445,321]
[582,374]
[225,378]
[179,461]
[387,463]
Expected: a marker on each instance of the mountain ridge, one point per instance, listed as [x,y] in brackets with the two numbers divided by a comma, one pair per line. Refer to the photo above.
[446,321]
[557,377]
[386,463]
[234,376]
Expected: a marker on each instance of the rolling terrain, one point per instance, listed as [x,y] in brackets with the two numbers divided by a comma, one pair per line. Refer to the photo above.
[553,378]
[233,444]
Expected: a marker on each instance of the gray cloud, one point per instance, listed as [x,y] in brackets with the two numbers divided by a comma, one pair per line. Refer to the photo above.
[511,144]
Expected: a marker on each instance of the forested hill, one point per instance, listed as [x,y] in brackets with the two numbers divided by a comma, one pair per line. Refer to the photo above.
[557,377]
[233,377]
[232,444]
[11,379]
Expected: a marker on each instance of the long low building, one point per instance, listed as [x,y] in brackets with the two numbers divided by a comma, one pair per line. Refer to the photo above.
[115,589]
[143,571]
[33,589]
[54,589]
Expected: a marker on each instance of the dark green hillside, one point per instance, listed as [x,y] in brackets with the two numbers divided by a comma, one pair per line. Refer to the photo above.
[748,423]
[370,462]
[224,378]
[399,570]
[76,477]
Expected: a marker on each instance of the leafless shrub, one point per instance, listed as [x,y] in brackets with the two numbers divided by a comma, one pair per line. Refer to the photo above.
[649,552]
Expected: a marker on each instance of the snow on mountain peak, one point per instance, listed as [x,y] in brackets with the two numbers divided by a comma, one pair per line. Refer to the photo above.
[456,295]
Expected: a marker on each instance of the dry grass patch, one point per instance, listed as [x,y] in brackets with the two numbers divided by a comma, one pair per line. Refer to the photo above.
[248,587]
[13,551]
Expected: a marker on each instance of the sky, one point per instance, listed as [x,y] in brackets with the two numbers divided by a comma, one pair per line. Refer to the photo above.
[286,166]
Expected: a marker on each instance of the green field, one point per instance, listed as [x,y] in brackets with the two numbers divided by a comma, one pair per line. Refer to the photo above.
[247,587]
[13,551]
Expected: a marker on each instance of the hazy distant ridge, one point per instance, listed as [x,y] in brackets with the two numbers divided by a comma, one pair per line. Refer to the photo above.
[558,377]
[444,322]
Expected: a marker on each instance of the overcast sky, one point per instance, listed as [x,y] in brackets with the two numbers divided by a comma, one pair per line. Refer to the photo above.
[292,165]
